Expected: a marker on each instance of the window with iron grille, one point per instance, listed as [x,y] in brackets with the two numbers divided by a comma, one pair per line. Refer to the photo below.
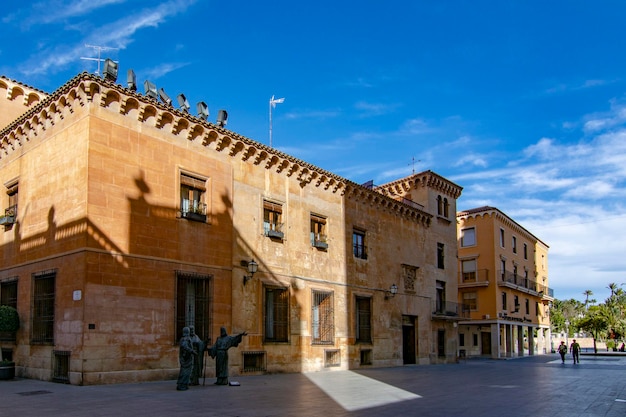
[194,304]
[61,363]
[363,320]
[332,357]
[322,318]
[276,314]
[254,361]
[44,296]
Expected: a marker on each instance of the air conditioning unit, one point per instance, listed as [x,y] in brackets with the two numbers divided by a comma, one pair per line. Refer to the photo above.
[486,317]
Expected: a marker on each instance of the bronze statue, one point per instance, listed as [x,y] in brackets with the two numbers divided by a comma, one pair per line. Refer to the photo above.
[186,356]
[219,351]
[198,346]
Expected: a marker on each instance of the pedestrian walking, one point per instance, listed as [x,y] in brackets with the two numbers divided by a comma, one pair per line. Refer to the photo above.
[562,351]
[575,351]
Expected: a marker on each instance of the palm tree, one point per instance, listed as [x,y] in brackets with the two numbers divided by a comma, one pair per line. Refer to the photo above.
[587,294]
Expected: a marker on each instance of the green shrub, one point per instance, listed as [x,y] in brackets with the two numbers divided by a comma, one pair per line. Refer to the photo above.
[9,319]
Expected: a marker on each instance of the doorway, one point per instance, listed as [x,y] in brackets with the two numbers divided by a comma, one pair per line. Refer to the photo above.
[485,343]
[409,341]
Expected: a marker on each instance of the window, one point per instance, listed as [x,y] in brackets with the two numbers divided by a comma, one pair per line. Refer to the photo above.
[8,297]
[514,244]
[525,251]
[527,306]
[502,238]
[276,314]
[468,269]
[318,232]
[440,255]
[43,307]
[504,303]
[272,220]
[516,303]
[192,198]
[468,237]
[322,318]
[8,293]
[358,244]
[461,339]
[475,339]
[443,207]
[10,212]
[469,301]
[440,297]
[193,304]
[363,320]
[503,269]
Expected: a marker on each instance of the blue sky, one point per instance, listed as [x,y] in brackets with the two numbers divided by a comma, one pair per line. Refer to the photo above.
[522,103]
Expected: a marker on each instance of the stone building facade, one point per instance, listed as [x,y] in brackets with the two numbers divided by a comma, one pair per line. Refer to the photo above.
[132,219]
[503,286]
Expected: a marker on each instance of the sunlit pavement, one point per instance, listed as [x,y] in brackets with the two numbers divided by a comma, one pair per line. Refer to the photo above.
[532,386]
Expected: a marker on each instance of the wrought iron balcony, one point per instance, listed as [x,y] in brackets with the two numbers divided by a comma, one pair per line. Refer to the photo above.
[478,278]
[273,230]
[446,308]
[319,240]
[9,216]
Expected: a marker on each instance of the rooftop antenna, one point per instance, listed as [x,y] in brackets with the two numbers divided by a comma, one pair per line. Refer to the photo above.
[413,163]
[99,49]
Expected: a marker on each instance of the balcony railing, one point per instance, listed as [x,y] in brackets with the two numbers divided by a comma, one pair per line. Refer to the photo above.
[446,308]
[9,216]
[273,230]
[507,277]
[475,278]
[193,210]
[319,240]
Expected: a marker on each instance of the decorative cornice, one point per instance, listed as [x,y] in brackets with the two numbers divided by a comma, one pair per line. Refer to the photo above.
[488,211]
[423,179]
[85,89]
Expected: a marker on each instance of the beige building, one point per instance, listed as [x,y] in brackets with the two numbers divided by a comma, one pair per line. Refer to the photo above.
[503,286]
[127,219]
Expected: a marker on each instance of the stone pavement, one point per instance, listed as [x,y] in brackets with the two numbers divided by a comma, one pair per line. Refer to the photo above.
[530,386]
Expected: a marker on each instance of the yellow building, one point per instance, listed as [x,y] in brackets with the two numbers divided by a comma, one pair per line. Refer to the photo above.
[503,286]
[127,219]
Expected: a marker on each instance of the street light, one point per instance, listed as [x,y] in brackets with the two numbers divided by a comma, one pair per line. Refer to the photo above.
[252,268]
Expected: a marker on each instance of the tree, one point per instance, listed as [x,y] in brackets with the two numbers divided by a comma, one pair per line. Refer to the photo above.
[595,322]
[587,294]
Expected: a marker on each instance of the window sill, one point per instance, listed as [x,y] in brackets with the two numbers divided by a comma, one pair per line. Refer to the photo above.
[196,217]
[273,234]
[320,245]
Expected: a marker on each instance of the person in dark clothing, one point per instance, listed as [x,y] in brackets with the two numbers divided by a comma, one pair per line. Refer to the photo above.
[562,351]
[575,350]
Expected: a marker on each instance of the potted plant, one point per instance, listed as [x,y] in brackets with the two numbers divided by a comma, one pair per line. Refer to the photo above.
[9,323]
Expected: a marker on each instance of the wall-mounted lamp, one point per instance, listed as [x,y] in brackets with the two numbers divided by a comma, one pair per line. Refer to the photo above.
[252,268]
[393,290]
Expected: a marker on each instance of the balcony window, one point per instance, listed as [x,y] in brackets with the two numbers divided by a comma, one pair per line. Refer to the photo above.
[192,198]
[318,232]
[272,220]
[468,269]
[469,301]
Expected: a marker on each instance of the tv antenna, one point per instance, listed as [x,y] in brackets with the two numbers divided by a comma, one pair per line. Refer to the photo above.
[413,163]
[99,49]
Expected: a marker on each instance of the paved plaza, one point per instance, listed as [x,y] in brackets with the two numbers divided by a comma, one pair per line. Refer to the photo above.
[537,386]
